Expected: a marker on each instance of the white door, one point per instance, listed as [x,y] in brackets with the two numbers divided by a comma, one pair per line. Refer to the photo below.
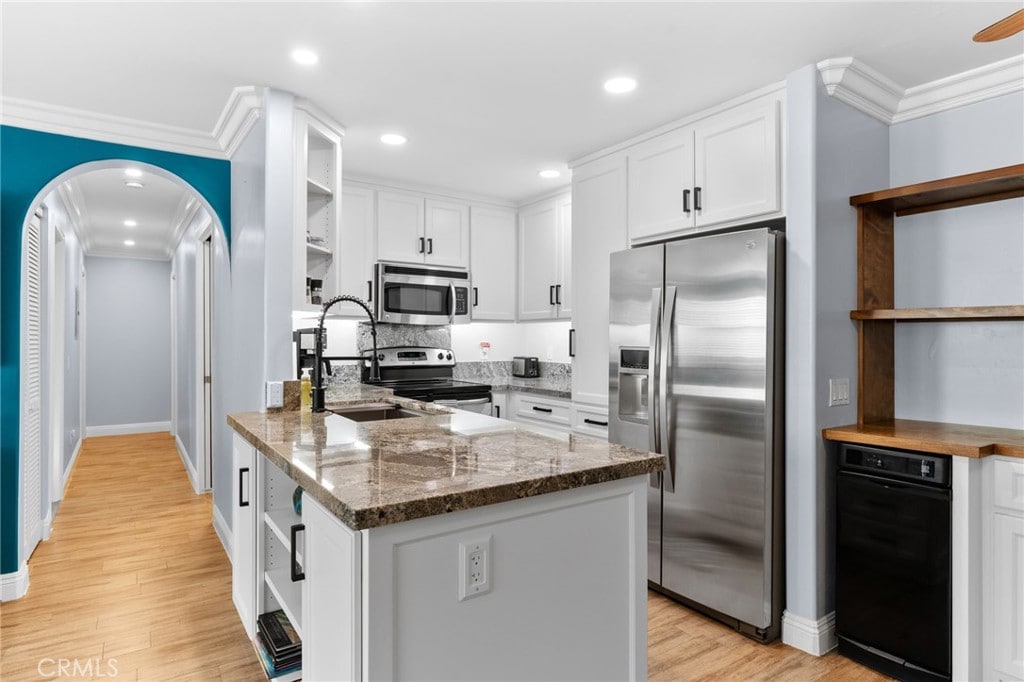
[400,227]
[492,263]
[737,164]
[58,330]
[447,233]
[206,326]
[1007,617]
[661,185]
[563,288]
[538,261]
[356,251]
[31,443]
[243,533]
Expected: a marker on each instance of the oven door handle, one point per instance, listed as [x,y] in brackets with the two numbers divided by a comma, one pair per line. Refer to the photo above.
[456,403]
[451,309]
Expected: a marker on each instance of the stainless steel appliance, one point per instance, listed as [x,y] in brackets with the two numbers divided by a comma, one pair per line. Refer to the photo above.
[418,294]
[696,373]
[894,608]
[527,367]
[425,374]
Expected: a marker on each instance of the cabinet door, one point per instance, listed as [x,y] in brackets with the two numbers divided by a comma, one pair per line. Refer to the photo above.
[243,533]
[492,243]
[499,405]
[538,261]
[355,254]
[1007,617]
[599,217]
[737,164]
[400,227]
[563,292]
[661,185]
[447,233]
[331,607]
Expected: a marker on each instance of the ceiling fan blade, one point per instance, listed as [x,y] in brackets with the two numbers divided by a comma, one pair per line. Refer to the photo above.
[1003,28]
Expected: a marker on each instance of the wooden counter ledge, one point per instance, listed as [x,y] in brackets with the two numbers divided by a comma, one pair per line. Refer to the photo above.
[933,437]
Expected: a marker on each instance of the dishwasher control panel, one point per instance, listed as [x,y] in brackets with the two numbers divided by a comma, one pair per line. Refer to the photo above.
[913,466]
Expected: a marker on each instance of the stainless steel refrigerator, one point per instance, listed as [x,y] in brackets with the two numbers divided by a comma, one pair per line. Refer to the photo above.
[696,373]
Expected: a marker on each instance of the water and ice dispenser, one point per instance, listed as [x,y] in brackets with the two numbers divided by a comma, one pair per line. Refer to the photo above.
[634,371]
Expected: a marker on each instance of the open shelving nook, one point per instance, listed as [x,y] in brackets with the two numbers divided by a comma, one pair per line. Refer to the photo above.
[876,316]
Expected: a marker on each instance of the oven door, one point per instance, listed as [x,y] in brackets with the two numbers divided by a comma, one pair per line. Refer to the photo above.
[479,405]
[422,296]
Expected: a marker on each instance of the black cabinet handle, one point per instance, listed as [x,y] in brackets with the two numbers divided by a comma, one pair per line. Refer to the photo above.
[595,422]
[686,201]
[422,242]
[558,294]
[297,572]
[369,290]
[430,245]
[696,198]
[572,343]
[542,409]
[551,294]
[476,297]
[497,411]
[241,472]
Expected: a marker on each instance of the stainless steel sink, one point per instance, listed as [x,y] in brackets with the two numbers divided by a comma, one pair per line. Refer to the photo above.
[374,412]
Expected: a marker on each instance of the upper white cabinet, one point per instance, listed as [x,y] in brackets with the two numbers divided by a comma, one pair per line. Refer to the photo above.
[492,266]
[316,210]
[413,229]
[599,229]
[723,169]
[545,259]
[357,248]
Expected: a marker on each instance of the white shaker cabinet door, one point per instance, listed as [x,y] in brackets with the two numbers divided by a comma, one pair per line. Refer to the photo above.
[243,533]
[538,260]
[661,185]
[564,286]
[737,173]
[447,234]
[356,252]
[400,234]
[493,263]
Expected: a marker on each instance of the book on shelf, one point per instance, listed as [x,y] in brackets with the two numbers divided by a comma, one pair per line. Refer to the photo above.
[278,633]
[272,667]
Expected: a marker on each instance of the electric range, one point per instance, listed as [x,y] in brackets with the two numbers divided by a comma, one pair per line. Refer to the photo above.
[425,374]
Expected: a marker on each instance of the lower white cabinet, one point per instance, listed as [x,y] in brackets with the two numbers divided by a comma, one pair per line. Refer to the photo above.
[590,420]
[243,533]
[1003,627]
[552,413]
[499,405]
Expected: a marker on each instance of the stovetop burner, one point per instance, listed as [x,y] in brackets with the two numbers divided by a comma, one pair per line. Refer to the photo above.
[424,374]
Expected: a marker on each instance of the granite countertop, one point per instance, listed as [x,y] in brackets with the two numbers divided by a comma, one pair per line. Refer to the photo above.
[376,473]
[554,386]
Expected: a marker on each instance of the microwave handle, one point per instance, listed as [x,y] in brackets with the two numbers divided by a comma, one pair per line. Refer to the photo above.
[451,309]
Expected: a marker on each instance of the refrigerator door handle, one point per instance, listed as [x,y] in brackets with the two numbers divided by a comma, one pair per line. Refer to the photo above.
[652,381]
[664,368]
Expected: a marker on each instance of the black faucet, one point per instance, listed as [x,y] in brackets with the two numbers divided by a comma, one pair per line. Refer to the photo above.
[318,347]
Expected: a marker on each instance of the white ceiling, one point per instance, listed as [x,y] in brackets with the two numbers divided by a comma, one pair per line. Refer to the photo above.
[102,203]
[487,93]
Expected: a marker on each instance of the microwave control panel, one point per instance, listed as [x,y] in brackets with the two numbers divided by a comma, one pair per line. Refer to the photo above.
[461,301]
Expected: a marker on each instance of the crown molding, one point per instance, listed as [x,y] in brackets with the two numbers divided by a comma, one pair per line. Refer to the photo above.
[432,192]
[319,114]
[91,125]
[867,90]
[241,112]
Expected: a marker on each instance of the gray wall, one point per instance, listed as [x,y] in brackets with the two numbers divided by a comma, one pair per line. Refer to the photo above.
[184,267]
[74,429]
[964,372]
[128,343]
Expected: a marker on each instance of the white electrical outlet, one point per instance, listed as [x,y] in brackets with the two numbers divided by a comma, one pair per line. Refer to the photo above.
[838,392]
[275,394]
[474,568]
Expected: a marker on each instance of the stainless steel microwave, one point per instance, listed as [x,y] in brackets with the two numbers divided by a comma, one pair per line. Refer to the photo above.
[420,294]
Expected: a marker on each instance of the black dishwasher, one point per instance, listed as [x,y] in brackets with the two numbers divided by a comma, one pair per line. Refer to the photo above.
[893,590]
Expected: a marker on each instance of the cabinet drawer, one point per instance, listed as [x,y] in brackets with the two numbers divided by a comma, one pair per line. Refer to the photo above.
[548,411]
[590,420]
[1008,484]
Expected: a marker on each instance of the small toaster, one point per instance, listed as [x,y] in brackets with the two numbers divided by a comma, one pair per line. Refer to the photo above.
[525,366]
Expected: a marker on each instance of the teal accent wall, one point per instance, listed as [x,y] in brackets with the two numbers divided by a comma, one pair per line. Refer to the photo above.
[28,161]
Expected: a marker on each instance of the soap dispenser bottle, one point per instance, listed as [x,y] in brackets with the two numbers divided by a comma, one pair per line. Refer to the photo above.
[306,390]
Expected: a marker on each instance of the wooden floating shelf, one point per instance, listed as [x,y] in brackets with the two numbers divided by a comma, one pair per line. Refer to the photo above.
[934,437]
[315,188]
[991,312]
[962,190]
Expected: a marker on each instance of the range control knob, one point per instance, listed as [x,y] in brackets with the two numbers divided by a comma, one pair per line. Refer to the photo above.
[380,357]
[440,356]
[448,357]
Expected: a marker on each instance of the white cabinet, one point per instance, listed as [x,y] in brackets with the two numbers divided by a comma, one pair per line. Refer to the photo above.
[243,533]
[499,405]
[545,259]
[1004,571]
[550,413]
[414,229]
[331,627]
[356,255]
[721,170]
[599,216]
[317,238]
[492,262]
[590,420]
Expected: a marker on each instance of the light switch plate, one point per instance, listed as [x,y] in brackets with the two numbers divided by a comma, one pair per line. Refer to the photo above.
[275,394]
[838,392]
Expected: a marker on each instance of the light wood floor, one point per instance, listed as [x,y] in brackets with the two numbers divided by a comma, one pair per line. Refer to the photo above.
[134,573]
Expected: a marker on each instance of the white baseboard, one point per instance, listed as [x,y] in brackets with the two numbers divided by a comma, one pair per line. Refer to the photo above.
[124,429]
[14,585]
[220,526]
[816,637]
[193,477]
[70,467]
[48,523]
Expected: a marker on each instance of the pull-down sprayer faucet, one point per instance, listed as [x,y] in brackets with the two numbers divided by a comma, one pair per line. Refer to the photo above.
[318,346]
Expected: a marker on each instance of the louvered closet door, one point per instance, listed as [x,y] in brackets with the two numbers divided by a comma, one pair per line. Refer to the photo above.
[31,510]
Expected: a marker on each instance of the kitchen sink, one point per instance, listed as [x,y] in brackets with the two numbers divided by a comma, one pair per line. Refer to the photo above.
[375,412]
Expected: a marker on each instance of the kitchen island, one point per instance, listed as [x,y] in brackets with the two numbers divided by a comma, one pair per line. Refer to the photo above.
[442,545]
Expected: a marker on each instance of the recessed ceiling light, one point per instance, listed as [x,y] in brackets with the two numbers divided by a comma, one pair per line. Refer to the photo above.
[133,172]
[130,223]
[620,85]
[305,57]
[549,174]
[129,242]
[134,184]
[393,139]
